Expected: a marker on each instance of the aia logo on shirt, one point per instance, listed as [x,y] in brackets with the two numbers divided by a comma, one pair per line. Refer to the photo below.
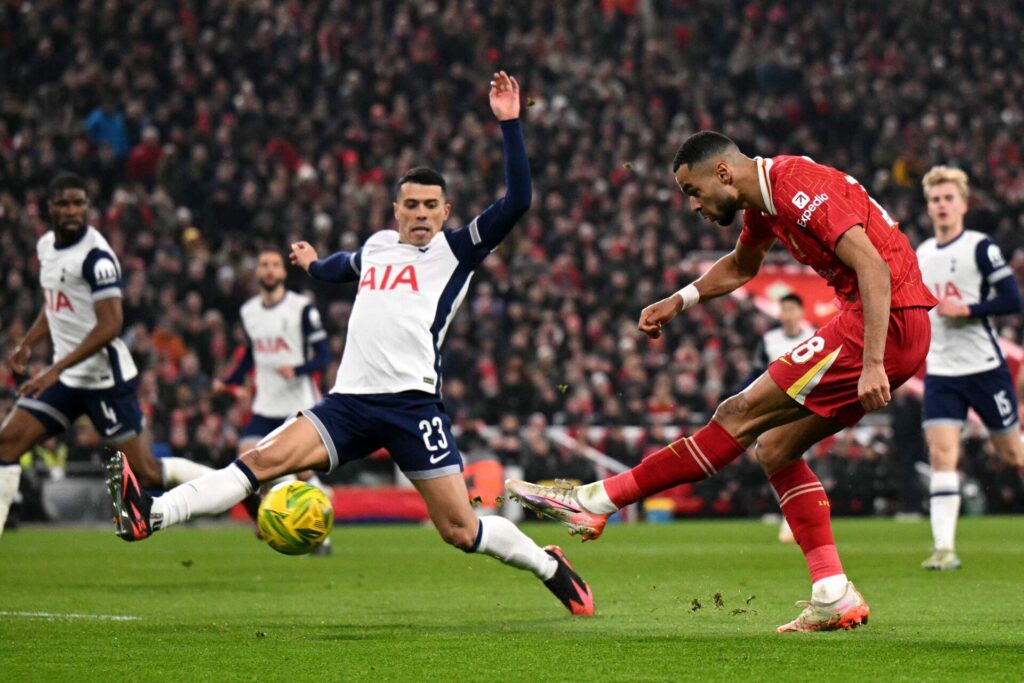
[947,291]
[57,301]
[387,280]
[270,345]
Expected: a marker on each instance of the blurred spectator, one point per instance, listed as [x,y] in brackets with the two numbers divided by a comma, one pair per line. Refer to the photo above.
[228,127]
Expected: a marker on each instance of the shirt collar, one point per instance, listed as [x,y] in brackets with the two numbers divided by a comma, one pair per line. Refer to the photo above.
[764,181]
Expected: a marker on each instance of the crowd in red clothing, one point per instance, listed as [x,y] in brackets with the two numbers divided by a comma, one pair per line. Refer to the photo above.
[208,130]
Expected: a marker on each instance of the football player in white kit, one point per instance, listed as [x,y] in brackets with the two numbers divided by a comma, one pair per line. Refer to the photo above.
[965,367]
[92,371]
[287,347]
[388,390]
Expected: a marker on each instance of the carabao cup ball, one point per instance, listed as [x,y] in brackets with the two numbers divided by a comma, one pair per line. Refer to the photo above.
[295,518]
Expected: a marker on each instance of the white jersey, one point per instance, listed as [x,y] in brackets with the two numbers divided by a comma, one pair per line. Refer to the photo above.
[281,336]
[407,297]
[777,343]
[964,269]
[73,279]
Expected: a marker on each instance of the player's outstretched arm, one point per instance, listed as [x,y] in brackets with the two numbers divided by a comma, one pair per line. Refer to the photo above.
[340,267]
[873,280]
[487,230]
[109,317]
[729,273]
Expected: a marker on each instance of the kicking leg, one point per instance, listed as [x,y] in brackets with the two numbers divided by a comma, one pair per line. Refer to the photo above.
[944,494]
[735,425]
[448,504]
[20,432]
[292,447]
[834,603]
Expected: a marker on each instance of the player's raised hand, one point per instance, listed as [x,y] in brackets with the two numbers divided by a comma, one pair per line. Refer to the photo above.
[657,314]
[504,96]
[873,387]
[18,359]
[302,255]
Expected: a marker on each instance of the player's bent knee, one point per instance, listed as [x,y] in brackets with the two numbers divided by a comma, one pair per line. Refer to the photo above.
[732,409]
[942,457]
[7,454]
[12,445]
[766,455]
[461,537]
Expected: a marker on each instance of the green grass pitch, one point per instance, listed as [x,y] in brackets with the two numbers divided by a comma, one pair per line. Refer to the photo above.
[394,603]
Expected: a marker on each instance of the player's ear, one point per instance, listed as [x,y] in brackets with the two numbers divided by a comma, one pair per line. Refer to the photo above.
[447,210]
[724,173]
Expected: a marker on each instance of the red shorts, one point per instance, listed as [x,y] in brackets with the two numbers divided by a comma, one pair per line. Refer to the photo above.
[822,372]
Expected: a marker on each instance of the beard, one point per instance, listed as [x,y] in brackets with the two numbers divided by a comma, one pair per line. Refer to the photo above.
[730,208]
[271,285]
[68,232]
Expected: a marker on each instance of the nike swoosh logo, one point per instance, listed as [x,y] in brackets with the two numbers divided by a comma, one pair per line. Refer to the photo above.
[1009,421]
[434,459]
[110,430]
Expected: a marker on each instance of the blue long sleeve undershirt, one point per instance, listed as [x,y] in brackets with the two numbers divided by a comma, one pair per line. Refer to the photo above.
[321,357]
[242,368]
[1007,300]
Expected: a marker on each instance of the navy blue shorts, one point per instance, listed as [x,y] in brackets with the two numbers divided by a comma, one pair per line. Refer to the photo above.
[990,393]
[114,412]
[411,425]
[259,426]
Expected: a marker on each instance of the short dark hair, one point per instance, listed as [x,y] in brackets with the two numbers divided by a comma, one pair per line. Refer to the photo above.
[422,175]
[65,181]
[272,250]
[795,298]
[700,147]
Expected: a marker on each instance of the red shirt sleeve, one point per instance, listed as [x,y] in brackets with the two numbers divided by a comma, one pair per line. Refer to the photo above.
[820,200]
[756,228]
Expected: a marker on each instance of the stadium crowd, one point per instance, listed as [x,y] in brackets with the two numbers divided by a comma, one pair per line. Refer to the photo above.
[208,130]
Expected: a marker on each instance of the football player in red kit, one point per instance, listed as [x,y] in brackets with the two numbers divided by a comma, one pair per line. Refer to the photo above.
[874,344]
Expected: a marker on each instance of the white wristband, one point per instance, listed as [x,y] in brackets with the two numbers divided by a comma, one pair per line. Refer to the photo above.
[689,295]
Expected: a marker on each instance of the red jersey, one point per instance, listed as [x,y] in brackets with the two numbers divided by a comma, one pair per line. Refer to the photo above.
[810,206]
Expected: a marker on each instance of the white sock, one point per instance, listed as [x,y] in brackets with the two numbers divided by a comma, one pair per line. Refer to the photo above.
[212,493]
[944,507]
[595,499]
[10,476]
[503,540]
[829,589]
[176,471]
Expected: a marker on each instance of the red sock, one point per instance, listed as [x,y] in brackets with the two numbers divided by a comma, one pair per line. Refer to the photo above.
[691,459]
[805,505]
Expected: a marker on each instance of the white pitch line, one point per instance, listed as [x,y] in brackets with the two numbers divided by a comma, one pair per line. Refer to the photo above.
[53,616]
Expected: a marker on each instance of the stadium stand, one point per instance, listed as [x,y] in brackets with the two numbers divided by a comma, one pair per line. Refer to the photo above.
[200,148]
